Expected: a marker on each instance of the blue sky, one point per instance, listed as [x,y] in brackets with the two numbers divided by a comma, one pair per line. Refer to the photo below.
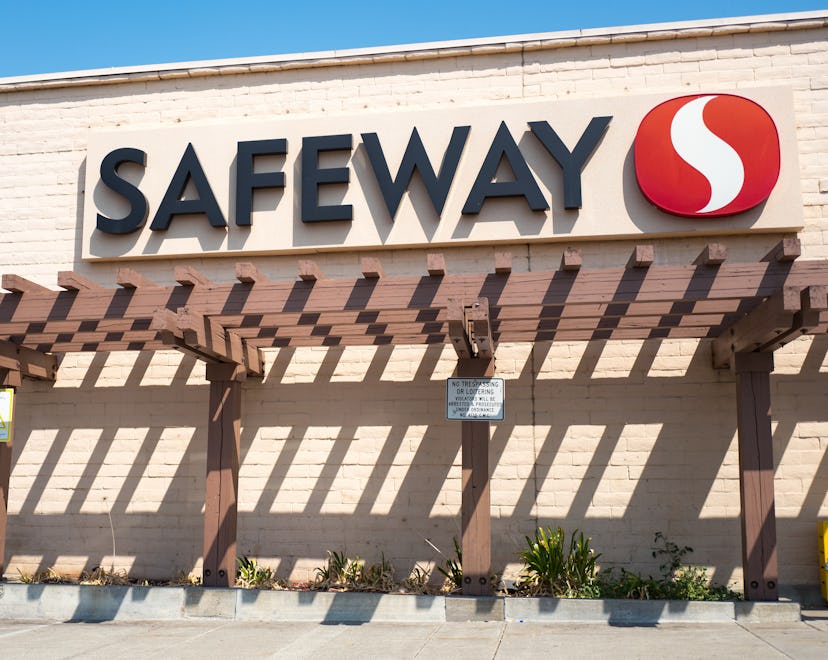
[59,35]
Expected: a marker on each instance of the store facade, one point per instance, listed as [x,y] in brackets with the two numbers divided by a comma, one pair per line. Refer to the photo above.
[293,254]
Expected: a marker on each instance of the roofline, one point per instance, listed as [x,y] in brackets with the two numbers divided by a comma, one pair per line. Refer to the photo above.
[429,50]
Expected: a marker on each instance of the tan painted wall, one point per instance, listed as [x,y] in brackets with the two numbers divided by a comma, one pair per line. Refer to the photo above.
[348,449]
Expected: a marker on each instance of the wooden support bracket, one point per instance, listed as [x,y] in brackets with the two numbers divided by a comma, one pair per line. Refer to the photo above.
[642,256]
[469,328]
[371,268]
[458,330]
[132,279]
[247,273]
[436,264]
[309,270]
[571,259]
[503,263]
[778,320]
[189,276]
[71,281]
[786,250]
[17,284]
[30,363]
[714,254]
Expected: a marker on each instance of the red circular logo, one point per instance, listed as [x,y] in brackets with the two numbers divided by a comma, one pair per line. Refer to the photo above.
[707,155]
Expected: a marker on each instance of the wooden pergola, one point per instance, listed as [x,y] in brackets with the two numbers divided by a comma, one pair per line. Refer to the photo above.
[748,309]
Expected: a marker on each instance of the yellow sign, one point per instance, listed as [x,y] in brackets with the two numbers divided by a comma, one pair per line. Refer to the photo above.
[6,408]
[822,545]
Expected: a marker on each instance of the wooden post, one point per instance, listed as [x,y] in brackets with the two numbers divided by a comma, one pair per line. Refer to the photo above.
[476,507]
[220,505]
[8,378]
[756,475]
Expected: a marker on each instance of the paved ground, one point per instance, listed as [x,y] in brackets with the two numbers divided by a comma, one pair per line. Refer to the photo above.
[219,639]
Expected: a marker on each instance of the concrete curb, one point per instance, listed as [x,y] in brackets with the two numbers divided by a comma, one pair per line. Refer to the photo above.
[66,602]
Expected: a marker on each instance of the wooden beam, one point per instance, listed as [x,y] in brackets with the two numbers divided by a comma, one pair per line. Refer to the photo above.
[503,263]
[247,273]
[5,475]
[436,264]
[371,268]
[714,254]
[189,276]
[458,329]
[753,404]
[786,250]
[642,256]
[571,259]
[31,363]
[309,271]
[206,339]
[222,482]
[784,316]
[19,285]
[132,279]
[477,320]
[476,499]
[71,281]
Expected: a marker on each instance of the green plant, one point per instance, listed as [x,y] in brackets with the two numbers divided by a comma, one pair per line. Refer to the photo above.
[344,573]
[677,581]
[453,570]
[554,569]
[251,575]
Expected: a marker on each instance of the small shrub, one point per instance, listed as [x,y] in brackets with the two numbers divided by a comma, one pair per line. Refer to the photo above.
[251,575]
[551,568]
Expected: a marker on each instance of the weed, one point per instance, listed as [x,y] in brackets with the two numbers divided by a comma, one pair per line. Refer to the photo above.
[185,579]
[99,576]
[677,581]
[47,576]
[453,571]
[343,573]
[418,581]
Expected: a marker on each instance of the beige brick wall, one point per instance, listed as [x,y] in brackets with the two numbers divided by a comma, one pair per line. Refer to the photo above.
[347,448]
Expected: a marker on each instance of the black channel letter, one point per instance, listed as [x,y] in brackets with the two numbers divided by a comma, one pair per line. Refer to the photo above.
[313,176]
[416,158]
[523,185]
[247,180]
[188,169]
[572,163]
[138,208]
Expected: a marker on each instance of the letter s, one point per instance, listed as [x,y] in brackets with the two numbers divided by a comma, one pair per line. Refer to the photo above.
[137,215]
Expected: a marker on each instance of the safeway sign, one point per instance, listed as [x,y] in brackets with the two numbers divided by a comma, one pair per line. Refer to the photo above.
[498,173]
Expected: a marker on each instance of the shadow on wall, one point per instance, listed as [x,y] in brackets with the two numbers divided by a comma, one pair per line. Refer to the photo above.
[350,450]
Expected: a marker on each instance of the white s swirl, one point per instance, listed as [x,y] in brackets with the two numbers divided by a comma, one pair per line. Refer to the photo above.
[714,158]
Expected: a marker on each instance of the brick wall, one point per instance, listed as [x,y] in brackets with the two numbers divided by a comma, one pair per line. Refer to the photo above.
[347,448]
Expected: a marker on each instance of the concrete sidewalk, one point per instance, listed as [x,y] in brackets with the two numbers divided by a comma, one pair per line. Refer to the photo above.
[237,639]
